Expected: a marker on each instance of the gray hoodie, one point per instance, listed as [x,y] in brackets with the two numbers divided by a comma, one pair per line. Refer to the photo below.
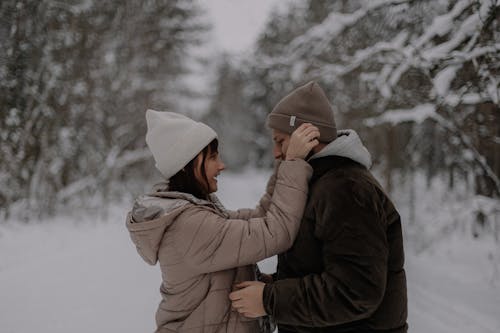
[347,144]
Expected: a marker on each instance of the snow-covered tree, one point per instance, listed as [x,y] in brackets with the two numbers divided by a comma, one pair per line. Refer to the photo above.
[227,115]
[407,74]
[75,80]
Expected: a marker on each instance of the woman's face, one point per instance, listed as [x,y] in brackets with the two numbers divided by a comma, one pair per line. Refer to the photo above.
[213,166]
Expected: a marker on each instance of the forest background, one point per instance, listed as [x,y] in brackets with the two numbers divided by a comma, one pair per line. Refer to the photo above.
[418,80]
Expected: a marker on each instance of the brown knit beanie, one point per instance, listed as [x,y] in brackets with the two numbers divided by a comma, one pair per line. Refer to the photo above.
[306,104]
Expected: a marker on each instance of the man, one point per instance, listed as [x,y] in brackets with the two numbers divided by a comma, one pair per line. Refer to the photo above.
[344,272]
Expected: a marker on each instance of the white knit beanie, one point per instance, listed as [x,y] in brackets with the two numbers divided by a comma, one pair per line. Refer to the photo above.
[175,139]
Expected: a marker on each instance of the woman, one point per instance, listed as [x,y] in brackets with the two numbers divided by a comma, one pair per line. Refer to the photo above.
[203,249]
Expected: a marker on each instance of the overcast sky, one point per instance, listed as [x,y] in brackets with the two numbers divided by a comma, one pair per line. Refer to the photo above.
[238,22]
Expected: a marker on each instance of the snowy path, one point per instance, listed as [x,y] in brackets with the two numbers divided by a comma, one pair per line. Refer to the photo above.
[85,280]
[440,304]
[85,276]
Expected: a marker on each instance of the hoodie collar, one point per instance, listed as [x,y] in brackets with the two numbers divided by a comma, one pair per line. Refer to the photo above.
[349,145]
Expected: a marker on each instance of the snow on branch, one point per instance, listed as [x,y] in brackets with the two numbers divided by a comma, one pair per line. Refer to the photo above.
[466,141]
[417,115]
[76,187]
[113,163]
[467,28]
[361,56]
[400,58]
[454,99]
[131,157]
[428,111]
[442,80]
[318,38]
[441,26]
[461,57]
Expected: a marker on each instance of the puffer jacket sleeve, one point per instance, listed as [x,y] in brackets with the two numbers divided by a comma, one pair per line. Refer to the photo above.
[212,243]
[355,254]
[264,202]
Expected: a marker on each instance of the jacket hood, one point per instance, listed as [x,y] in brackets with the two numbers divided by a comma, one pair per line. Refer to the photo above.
[347,144]
[153,214]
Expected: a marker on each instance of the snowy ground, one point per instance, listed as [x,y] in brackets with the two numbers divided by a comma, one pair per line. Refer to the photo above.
[82,274]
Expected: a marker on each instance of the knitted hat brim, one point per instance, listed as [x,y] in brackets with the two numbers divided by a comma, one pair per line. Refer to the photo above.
[281,122]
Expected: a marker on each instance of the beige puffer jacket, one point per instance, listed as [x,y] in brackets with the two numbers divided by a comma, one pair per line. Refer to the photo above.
[203,249]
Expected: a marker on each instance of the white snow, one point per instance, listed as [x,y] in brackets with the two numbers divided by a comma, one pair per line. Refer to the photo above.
[318,37]
[494,90]
[442,80]
[424,53]
[332,71]
[466,29]
[81,273]
[453,278]
[417,114]
[442,24]
[453,99]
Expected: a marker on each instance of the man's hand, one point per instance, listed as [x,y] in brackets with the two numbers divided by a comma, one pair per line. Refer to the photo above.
[302,141]
[248,300]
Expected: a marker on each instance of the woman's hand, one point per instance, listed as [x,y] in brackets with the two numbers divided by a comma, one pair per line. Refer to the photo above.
[302,140]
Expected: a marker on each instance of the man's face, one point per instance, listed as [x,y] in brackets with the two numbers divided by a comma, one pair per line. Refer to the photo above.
[281,142]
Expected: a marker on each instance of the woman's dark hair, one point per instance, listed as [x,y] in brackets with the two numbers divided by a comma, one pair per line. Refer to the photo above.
[185,180]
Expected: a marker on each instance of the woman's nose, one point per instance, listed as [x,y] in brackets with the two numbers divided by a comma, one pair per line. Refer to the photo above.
[277,153]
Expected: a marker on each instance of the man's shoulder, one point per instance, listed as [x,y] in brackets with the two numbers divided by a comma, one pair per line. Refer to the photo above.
[345,187]
[346,176]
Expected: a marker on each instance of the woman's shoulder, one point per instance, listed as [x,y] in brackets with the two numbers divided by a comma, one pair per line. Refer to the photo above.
[176,205]
[207,210]
[150,207]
